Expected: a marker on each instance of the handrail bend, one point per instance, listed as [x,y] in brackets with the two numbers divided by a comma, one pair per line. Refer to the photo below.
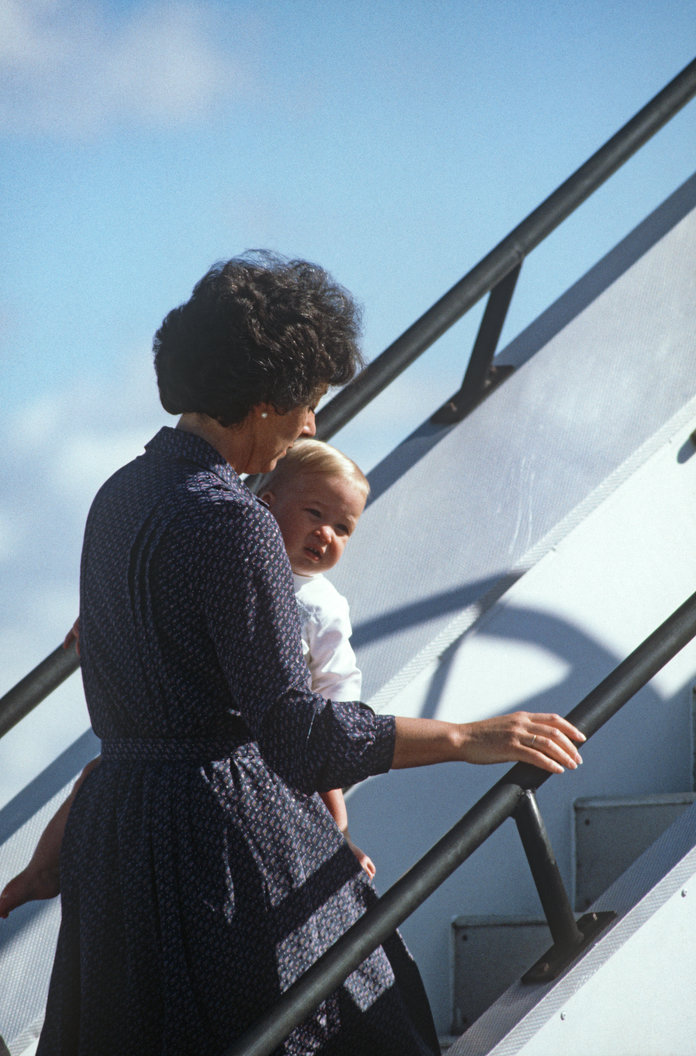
[508,254]
[487,815]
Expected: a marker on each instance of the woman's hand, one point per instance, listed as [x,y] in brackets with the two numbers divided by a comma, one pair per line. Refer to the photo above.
[543,740]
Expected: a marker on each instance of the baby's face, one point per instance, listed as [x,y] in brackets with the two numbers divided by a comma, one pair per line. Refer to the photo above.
[317,515]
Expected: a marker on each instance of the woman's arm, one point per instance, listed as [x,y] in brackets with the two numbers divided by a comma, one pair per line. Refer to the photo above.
[543,740]
[314,743]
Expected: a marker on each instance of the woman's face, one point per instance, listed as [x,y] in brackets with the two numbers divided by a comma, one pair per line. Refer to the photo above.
[274,434]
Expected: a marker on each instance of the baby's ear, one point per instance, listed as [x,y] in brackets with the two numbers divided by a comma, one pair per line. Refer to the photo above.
[268,497]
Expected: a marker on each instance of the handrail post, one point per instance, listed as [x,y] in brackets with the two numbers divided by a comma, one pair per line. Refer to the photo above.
[570,937]
[547,876]
[480,375]
[379,373]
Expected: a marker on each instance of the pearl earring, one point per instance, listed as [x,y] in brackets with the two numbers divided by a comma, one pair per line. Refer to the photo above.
[264,414]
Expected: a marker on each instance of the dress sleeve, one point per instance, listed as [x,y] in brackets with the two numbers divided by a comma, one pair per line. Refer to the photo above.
[332,663]
[245,589]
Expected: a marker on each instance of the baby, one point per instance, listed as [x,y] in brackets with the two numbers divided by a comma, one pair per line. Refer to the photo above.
[317,495]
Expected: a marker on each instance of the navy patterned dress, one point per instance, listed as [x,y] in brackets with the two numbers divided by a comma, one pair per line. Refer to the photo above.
[200,872]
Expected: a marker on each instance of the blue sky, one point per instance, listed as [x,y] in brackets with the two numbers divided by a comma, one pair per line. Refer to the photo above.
[395,143]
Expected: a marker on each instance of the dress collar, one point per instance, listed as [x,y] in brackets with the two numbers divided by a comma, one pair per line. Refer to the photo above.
[177,443]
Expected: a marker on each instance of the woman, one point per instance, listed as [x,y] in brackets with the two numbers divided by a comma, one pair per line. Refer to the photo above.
[200,872]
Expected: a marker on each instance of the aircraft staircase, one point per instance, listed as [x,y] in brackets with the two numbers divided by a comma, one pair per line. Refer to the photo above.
[522,553]
[515,549]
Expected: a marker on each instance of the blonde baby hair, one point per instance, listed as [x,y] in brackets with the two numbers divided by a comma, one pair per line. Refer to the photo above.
[308,455]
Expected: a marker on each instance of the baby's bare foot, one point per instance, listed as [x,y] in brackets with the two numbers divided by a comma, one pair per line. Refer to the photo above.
[28,886]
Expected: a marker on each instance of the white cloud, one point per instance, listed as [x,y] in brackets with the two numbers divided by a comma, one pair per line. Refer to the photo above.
[57,450]
[68,68]
[38,422]
[87,459]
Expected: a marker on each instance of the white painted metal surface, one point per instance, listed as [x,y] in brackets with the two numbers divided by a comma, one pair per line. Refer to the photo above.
[632,993]
[611,833]
[556,633]
[458,509]
[468,623]
[28,937]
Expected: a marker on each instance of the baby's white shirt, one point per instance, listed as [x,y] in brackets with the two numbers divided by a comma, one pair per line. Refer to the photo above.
[326,632]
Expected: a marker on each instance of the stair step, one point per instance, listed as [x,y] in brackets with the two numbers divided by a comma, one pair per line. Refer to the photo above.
[610,833]
[490,954]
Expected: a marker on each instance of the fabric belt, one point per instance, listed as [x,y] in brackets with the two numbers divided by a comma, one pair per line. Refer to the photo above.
[170,750]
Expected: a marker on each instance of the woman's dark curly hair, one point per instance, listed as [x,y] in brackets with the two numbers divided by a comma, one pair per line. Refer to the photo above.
[257,329]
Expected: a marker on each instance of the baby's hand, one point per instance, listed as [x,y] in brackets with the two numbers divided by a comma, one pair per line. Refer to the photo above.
[27,886]
[73,635]
[364,859]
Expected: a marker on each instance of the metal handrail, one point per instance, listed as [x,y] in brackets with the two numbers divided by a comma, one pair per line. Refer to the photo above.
[483,278]
[487,815]
[36,686]
[508,254]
